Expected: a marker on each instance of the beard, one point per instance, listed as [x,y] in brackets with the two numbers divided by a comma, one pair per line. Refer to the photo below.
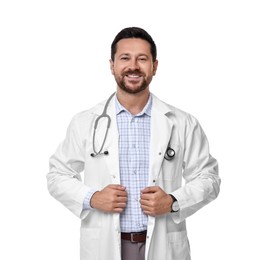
[139,86]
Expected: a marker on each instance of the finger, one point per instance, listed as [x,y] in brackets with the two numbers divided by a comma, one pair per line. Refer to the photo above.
[121,199]
[147,210]
[150,196]
[145,203]
[116,187]
[121,193]
[150,189]
[118,210]
[119,207]
[146,196]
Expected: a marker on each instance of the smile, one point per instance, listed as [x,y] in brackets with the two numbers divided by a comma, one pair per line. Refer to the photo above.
[133,76]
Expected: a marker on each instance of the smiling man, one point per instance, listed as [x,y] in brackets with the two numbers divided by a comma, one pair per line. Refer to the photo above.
[132,203]
[133,65]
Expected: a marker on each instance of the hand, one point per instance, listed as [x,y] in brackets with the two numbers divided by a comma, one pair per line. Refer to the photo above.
[112,199]
[154,201]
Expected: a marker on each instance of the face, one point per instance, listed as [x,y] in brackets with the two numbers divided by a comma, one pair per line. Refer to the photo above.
[133,67]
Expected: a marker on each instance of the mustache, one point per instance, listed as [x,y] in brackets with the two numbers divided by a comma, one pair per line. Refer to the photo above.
[133,72]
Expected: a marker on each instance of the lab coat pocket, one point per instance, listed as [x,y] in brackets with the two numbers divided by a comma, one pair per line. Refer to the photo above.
[178,245]
[90,243]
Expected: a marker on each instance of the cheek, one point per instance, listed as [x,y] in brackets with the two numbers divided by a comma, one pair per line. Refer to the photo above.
[116,70]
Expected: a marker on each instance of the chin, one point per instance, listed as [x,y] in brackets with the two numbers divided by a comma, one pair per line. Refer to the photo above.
[133,90]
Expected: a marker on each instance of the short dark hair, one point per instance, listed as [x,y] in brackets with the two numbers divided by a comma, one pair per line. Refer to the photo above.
[133,32]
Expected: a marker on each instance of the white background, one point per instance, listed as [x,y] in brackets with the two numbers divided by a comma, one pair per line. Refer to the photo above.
[54,62]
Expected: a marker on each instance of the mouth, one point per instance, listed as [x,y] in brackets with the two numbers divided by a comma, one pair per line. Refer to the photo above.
[133,76]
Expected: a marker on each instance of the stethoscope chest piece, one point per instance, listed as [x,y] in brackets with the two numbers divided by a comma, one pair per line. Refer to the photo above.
[170,154]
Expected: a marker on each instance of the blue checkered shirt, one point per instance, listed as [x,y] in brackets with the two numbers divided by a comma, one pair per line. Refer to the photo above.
[134,146]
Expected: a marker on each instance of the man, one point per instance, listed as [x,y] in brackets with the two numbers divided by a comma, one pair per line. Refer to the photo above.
[132,203]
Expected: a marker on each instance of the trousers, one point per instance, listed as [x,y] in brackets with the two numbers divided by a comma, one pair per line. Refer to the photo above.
[132,251]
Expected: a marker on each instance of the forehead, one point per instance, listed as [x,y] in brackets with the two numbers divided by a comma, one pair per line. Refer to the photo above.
[133,46]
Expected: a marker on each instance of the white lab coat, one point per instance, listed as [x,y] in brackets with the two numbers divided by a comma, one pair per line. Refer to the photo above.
[166,234]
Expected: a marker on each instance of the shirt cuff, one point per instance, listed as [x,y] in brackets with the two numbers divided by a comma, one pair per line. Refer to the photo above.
[86,202]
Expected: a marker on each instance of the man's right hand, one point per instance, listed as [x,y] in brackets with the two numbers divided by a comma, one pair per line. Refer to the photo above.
[112,199]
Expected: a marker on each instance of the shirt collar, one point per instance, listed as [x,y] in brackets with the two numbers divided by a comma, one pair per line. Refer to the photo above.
[146,110]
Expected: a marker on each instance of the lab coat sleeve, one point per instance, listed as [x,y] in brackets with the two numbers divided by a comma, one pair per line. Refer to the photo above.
[64,179]
[202,182]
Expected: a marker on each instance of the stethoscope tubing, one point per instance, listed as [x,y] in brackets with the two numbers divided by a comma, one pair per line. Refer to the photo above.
[103,115]
[169,155]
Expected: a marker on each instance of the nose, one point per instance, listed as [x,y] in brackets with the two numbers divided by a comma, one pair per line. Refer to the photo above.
[133,64]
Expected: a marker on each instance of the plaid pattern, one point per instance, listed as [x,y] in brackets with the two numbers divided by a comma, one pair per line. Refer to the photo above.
[134,144]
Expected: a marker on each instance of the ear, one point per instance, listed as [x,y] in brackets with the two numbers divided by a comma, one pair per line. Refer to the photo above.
[112,67]
[155,65]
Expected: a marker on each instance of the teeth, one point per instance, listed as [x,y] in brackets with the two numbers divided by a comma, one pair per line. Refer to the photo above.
[133,76]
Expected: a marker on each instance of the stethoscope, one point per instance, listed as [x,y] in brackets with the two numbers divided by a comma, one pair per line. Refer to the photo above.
[103,115]
[169,155]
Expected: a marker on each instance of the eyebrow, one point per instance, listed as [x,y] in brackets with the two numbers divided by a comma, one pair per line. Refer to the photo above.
[128,54]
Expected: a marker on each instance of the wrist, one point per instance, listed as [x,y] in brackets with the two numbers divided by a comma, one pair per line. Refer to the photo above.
[174,205]
[92,203]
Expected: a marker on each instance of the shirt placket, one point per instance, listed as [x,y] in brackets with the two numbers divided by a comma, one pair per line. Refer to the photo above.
[133,171]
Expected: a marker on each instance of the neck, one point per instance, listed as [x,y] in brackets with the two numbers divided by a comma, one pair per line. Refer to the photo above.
[134,103]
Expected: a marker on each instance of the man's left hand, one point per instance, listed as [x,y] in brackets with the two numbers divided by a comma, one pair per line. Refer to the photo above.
[154,201]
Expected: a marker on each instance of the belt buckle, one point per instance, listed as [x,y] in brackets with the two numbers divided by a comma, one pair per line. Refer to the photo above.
[132,238]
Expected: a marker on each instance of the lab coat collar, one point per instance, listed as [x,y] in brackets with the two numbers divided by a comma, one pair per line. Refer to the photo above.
[157,106]
[160,106]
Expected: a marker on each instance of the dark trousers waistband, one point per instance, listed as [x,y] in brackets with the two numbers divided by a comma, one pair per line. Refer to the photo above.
[135,237]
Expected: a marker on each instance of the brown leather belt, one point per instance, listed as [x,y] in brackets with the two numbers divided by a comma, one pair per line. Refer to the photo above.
[136,237]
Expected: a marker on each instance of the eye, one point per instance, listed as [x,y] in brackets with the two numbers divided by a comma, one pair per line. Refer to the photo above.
[124,58]
[142,59]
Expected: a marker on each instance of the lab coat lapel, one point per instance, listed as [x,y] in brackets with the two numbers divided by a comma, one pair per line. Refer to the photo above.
[111,143]
[161,130]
